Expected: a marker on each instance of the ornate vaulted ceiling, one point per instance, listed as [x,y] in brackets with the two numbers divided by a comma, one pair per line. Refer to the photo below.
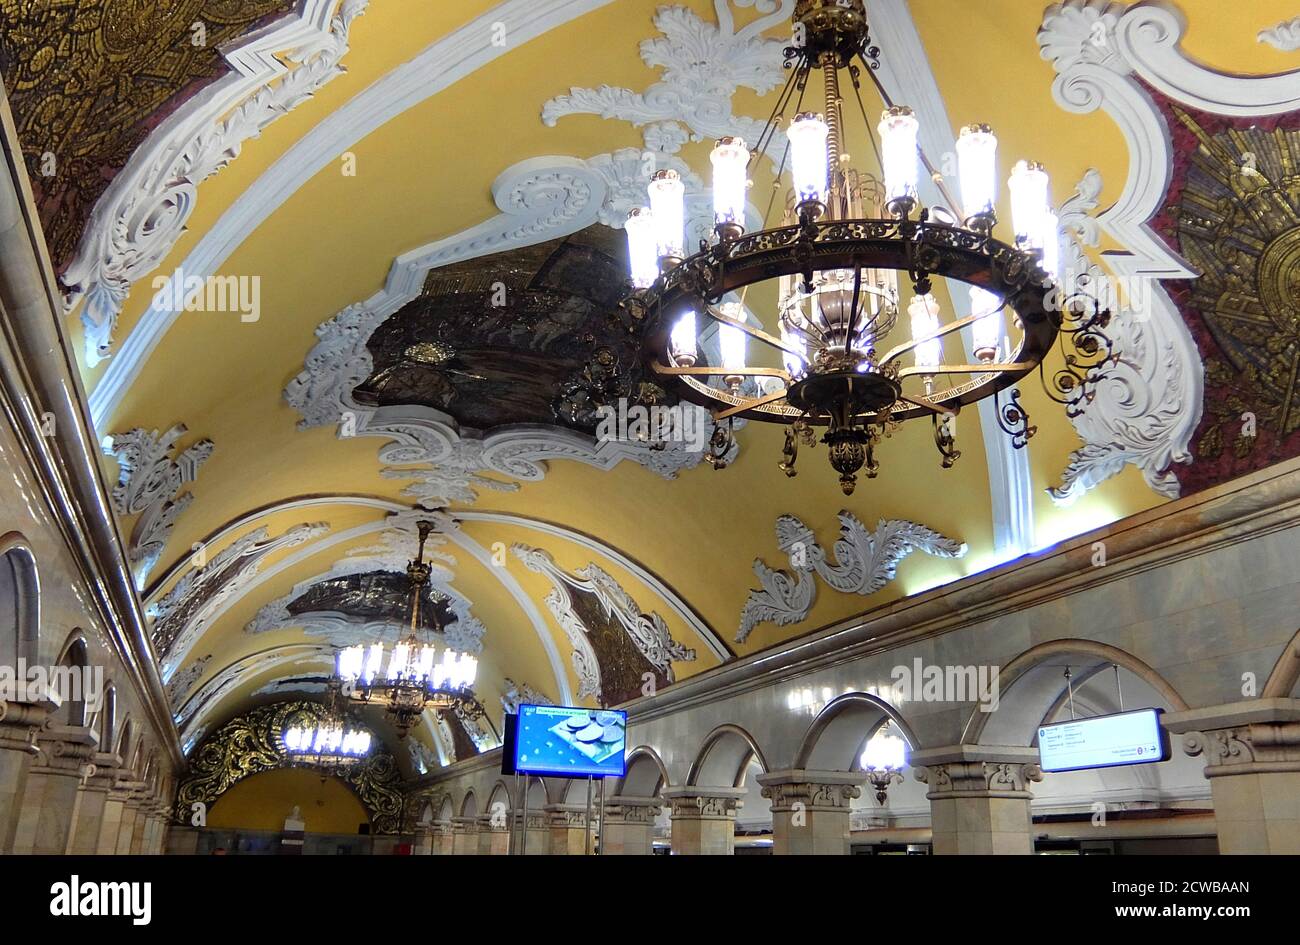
[403,218]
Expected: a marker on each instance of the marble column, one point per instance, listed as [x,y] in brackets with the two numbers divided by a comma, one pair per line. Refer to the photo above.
[92,800]
[539,834]
[629,826]
[464,836]
[49,810]
[442,838]
[20,725]
[423,843]
[979,797]
[132,818]
[115,812]
[568,829]
[493,836]
[810,810]
[704,819]
[1252,760]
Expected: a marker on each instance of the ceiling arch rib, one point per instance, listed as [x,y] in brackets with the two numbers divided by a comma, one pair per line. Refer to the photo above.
[444,63]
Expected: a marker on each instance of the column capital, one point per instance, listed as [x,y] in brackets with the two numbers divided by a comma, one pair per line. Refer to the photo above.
[567,815]
[977,770]
[1254,736]
[490,824]
[815,790]
[633,810]
[707,803]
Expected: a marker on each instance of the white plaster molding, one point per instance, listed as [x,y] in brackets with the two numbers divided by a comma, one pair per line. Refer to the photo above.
[865,561]
[441,65]
[669,596]
[539,199]
[905,71]
[183,614]
[183,681]
[647,631]
[138,219]
[1148,410]
[391,553]
[149,484]
[1285,36]
[305,657]
[1141,413]
[702,65]
[520,693]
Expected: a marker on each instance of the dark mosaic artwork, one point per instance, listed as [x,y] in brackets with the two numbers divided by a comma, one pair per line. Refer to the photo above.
[88,80]
[1233,212]
[622,665]
[378,595]
[529,336]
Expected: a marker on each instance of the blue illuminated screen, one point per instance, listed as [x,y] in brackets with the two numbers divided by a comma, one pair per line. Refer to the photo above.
[571,741]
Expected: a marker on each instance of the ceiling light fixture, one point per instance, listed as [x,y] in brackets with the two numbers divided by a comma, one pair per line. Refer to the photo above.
[407,678]
[826,358]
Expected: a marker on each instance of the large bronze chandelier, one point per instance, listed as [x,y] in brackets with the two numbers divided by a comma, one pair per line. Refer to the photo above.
[827,356]
[408,678]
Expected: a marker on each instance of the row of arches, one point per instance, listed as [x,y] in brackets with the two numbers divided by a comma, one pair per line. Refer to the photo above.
[1033,690]
[21,643]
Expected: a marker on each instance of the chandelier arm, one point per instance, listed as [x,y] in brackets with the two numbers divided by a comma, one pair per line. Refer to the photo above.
[935,176]
[899,350]
[972,369]
[756,333]
[756,402]
[722,371]
[769,127]
[924,402]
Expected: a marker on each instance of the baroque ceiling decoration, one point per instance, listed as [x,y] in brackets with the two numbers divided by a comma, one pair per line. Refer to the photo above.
[1112,58]
[192,716]
[616,645]
[520,693]
[865,561]
[140,215]
[363,613]
[184,613]
[254,742]
[1233,213]
[1285,36]
[151,475]
[89,80]
[702,66]
[374,373]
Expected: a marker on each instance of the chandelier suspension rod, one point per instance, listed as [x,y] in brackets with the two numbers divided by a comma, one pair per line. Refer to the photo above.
[935,176]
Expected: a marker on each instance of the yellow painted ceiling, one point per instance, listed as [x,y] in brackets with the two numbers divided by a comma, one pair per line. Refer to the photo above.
[426,175]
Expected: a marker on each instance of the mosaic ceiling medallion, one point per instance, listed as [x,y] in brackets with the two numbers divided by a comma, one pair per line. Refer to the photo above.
[528,336]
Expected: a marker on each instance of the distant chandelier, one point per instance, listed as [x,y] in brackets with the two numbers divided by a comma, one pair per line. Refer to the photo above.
[883,760]
[329,742]
[835,262]
[408,678]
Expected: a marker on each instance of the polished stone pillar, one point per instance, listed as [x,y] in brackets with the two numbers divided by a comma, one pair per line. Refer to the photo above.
[979,797]
[441,833]
[539,834]
[114,813]
[49,811]
[629,826]
[1252,760]
[493,836]
[92,800]
[810,810]
[568,829]
[20,726]
[132,823]
[464,836]
[704,819]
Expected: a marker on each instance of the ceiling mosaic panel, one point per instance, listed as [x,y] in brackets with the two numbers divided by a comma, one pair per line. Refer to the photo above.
[89,80]
[1233,212]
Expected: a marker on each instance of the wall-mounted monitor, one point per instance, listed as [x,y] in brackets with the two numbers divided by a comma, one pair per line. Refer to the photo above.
[1104,741]
[570,741]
